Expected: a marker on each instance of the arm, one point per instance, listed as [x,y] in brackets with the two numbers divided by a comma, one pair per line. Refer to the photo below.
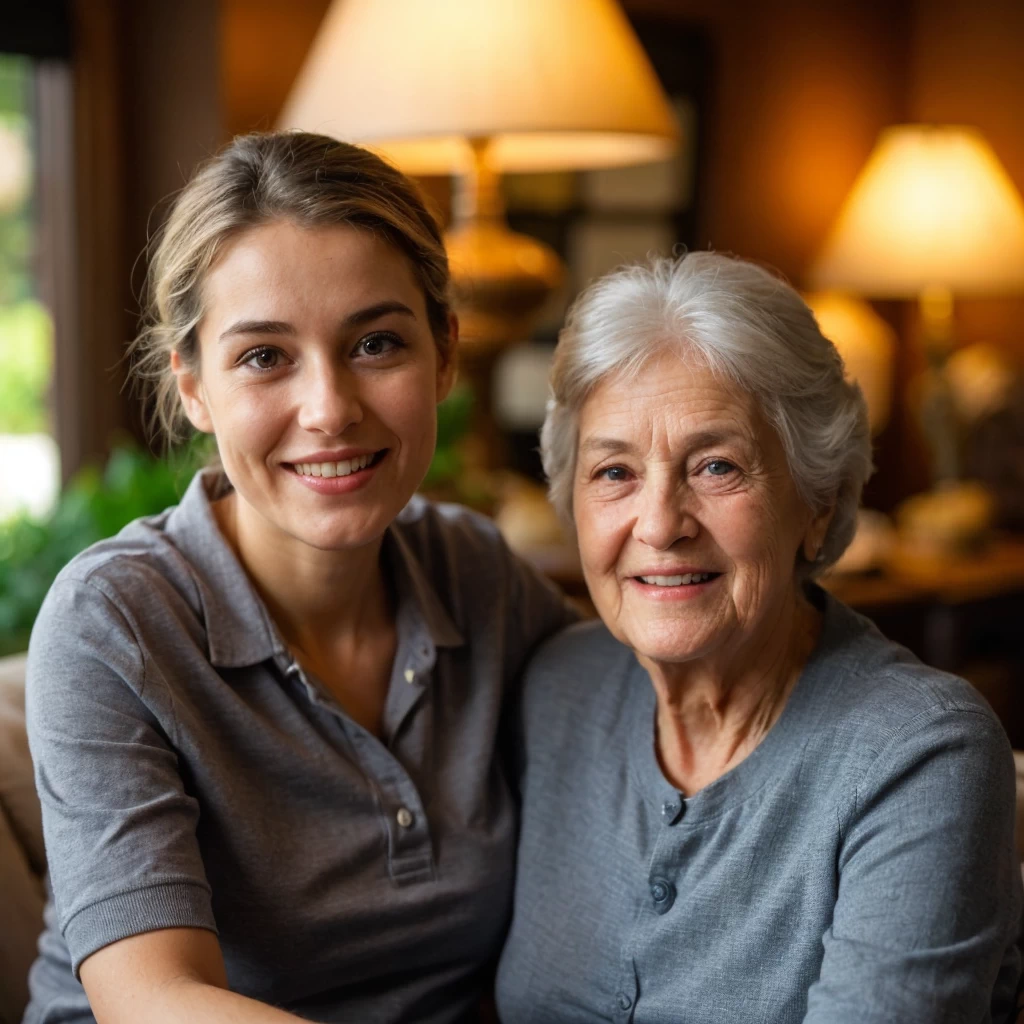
[929,898]
[171,976]
[130,889]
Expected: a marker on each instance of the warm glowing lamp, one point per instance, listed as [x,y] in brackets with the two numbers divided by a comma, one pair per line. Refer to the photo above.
[932,215]
[475,89]
[932,211]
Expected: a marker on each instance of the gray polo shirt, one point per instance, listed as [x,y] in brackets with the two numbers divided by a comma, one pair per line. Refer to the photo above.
[192,775]
[857,868]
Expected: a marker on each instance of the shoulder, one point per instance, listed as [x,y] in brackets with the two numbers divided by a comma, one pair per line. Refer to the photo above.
[101,598]
[886,713]
[881,688]
[474,573]
[443,531]
[131,569]
[582,674]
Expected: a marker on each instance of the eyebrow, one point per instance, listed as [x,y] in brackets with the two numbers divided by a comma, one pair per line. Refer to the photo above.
[615,446]
[359,318]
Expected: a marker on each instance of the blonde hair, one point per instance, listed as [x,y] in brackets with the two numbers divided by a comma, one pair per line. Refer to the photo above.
[750,328]
[310,179]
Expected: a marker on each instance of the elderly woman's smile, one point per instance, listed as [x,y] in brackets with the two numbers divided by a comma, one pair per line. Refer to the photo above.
[688,522]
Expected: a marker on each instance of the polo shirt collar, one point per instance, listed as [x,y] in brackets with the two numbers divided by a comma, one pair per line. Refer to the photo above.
[239,630]
[415,589]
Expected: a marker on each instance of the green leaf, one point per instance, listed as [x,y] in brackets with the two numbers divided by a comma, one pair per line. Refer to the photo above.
[94,505]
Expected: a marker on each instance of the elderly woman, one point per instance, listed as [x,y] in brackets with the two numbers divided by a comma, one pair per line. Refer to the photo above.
[740,802]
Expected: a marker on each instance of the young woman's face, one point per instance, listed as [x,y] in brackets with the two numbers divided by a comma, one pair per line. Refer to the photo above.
[319,376]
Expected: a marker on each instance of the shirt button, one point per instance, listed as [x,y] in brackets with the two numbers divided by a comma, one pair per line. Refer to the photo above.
[663,892]
[672,811]
[624,1001]
[404,817]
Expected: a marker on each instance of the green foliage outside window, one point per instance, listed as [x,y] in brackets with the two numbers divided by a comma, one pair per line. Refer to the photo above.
[26,355]
[26,332]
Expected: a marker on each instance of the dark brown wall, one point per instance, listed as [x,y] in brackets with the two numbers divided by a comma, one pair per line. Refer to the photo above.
[800,91]
[967,67]
[146,111]
[263,45]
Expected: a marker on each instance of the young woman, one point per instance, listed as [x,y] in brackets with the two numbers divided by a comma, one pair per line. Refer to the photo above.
[266,722]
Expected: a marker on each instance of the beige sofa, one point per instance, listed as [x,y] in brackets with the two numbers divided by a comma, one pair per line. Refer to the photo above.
[22,861]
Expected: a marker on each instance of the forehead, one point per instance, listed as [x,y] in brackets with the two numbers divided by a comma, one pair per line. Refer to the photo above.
[671,392]
[283,264]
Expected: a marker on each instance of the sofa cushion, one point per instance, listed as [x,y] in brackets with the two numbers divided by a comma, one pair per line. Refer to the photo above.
[17,788]
[23,899]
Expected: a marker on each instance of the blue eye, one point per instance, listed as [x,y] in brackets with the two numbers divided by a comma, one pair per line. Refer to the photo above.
[614,473]
[378,344]
[719,467]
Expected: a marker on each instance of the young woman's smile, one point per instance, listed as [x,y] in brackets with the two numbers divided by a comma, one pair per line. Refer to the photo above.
[319,376]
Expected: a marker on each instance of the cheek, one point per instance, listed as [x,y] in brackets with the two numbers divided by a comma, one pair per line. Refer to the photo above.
[762,538]
[247,418]
[600,530]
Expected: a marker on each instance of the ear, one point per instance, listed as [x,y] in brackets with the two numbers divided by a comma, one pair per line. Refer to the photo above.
[193,397]
[814,536]
[447,369]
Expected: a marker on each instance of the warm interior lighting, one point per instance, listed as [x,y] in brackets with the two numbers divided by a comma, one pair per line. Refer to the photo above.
[932,209]
[933,215]
[551,83]
[866,343]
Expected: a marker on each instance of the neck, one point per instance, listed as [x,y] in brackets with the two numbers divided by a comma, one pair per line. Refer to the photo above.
[713,712]
[315,597]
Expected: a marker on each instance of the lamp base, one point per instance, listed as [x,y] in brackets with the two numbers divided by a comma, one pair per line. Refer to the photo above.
[500,280]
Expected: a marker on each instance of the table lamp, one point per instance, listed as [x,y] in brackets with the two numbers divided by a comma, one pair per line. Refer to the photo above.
[932,215]
[474,88]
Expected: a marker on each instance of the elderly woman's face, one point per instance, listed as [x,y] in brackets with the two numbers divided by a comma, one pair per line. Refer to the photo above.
[688,520]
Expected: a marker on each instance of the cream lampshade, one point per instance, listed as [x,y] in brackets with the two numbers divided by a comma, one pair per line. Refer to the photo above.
[477,87]
[933,208]
[932,215]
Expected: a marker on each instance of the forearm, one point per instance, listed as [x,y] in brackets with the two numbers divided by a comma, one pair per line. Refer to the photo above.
[188,1001]
[170,976]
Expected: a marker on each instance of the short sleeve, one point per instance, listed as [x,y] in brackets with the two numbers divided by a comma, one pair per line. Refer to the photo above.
[929,905]
[118,823]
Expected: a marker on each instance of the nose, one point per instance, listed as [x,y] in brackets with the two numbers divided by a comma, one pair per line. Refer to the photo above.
[329,401]
[664,515]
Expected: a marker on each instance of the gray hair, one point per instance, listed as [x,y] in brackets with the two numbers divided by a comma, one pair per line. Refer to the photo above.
[750,328]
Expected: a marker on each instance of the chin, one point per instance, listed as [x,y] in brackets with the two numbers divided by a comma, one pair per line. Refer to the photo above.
[671,644]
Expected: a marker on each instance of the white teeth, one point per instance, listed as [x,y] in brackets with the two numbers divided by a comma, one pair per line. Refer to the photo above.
[331,469]
[675,581]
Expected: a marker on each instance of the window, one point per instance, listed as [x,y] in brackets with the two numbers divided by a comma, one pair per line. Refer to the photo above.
[29,459]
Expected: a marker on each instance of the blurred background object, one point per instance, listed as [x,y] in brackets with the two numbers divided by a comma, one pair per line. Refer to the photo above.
[866,343]
[777,109]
